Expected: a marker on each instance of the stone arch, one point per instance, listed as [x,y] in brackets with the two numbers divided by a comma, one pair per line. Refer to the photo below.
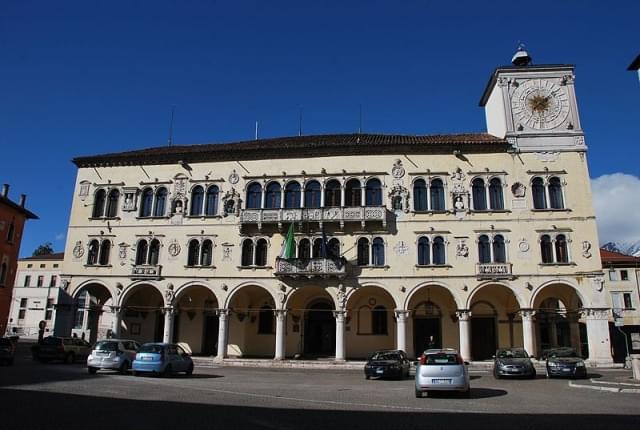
[522,303]
[419,286]
[195,318]
[143,306]
[233,291]
[92,313]
[184,287]
[131,288]
[556,282]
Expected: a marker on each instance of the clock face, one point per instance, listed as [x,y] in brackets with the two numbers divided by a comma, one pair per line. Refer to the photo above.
[540,104]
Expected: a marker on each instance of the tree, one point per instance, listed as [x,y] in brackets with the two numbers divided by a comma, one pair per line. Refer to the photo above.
[44,249]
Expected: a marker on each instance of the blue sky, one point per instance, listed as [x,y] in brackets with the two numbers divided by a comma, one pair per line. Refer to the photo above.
[90,77]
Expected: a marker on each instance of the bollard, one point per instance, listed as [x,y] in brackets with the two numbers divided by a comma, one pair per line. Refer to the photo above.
[635,365]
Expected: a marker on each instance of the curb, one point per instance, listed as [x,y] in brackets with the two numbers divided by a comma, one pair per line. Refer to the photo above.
[608,389]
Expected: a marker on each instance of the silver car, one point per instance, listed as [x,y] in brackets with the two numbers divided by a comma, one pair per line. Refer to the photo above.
[442,370]
[114,354]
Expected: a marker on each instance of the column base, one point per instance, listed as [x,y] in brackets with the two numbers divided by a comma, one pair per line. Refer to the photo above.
[599,362]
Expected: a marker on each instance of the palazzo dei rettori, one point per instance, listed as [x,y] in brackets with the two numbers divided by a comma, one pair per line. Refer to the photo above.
[477,240]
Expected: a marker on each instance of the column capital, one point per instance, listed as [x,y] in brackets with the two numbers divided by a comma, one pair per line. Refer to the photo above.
[222,313]
[463,314]
[402,314]
[280,313]
[596,313]
[339,315]
[527,313]
[115,309]
[170,310]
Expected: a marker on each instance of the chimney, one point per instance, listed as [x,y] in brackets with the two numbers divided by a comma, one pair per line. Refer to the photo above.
[23,198]
[5,190]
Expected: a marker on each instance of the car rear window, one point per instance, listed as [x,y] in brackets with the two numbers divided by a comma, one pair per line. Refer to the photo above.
[386,356]
[51,341]
[106,346]
[151,348]
[442,359]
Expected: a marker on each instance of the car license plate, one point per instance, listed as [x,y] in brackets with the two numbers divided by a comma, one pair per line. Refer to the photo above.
[379,370]
[441,381]
[146,358]
[566,369]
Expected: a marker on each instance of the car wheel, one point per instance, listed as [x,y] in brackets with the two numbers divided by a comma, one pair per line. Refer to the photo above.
[189,371]
[467,394]
[419,394]
[367,377]
[495,375]
[134,373]
[92,370]
[69,358]
[533,374]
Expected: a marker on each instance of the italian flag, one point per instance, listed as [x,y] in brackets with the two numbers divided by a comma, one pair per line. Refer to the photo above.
[289,246]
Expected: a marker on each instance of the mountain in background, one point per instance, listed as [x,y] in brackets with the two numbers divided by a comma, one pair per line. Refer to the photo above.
[628,248]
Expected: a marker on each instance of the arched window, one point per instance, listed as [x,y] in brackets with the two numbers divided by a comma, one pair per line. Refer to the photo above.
[436,190]
[378,251]
[555,193]
[332,193]
[272,197]
[161,202]
[112,203]
[379,320]
[545,249]
[205,255]
[304,249]
[363,251]
[496,200]
[141,252]
[333,250]
[292,195]
[154,252]
[312,194]
[353,193]
[98,203]
[92,255]
[3,273]
[197,199]
[254,196]
[247,252]
[484,249]
[420,195]
[479,195]
[537,190]
[261,252]
[192,255]
[265,320]
[373,195]
[318,252]
[499,252]
[438,251]
[211,202]
[424,251]
[105,251]
[562,256]
[146,203]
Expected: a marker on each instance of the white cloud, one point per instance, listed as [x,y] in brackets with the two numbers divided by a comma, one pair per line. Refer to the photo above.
[60,236]
[616,201]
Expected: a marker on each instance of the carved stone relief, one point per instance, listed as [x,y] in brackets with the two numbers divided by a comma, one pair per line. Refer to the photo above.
[401,248]
[462,249]
[129,203]
[122,253]
[586,249]
[227,249]
[397,171]
[231,203]
[78,250]
[174,248]
[84,190]
[399,197]
[547,157]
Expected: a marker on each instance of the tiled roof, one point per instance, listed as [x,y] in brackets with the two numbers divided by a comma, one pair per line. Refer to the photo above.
[610,257]
[302,146]
[54,256]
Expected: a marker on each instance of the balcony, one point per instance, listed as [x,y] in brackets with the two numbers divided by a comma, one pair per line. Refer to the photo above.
[361,214]
[494,271]
[146,271]
[311,267]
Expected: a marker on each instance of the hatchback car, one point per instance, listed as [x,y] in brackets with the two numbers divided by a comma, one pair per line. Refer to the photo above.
[7,350]
[513,362]
[387,363]
[442,370]
[67,349]
[565,362]
[113,354]
[163,359]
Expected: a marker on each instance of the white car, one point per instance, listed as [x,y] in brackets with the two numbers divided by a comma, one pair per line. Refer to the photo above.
[442,370]
[114,354]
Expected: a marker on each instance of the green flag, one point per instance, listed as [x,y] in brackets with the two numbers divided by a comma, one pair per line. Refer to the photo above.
[289,246]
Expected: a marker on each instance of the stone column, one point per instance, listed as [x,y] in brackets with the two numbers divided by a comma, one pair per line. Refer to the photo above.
[401,329]
[281,318]
[574,333]
[340,316]
[116,322]
[223,330]
[598,336]
[464,320]
[168,324]
[528,331]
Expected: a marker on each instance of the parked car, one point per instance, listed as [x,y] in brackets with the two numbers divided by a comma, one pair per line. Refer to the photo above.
[442,370]
[113,354]
[565,362]
[387,363]
[163,359]
[7,350]
[513,362]
[67,349]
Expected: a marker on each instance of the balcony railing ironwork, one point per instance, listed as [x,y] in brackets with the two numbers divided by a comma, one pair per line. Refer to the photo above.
[311,267]
[361,214]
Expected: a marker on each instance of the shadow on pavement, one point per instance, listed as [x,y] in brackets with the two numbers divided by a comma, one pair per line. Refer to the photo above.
[476,393]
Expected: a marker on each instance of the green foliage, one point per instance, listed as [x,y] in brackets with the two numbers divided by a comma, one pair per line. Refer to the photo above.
[44,249]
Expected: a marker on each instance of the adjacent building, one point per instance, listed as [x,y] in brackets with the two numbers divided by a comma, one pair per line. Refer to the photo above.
[12,219]
[337,245]
[635,66]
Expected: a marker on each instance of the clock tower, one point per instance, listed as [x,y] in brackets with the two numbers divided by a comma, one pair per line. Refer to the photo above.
[534,106]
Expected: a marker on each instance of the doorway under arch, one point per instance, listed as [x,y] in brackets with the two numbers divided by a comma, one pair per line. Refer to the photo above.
[319,329]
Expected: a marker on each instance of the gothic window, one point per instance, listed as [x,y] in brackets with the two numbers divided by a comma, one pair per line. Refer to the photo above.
[438,251]
[377,251]
[436,190]
[112,204]
[247,252]
[197,199]
[562,255]
[420,195]
[379,320]
[554,248]
[352,193]
[363,251]
[318,252]
[192,254]
[211,202]
[254,196]
[292,195]
[479,195]
[304,249]
[205,255]
[484,249]
[499,253]
[3,273]
[146,203]
[10,232]
[537,190]
[105,251]
[154,252]
[374,193]
[261,252]
[332,193]
[160,204]
[496,201]
[312,194]
[92,254]
[546,249]
[98,203]
[424,251]
[272,196]
[555,194]
[333,249]
[265,320]
[141,252]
